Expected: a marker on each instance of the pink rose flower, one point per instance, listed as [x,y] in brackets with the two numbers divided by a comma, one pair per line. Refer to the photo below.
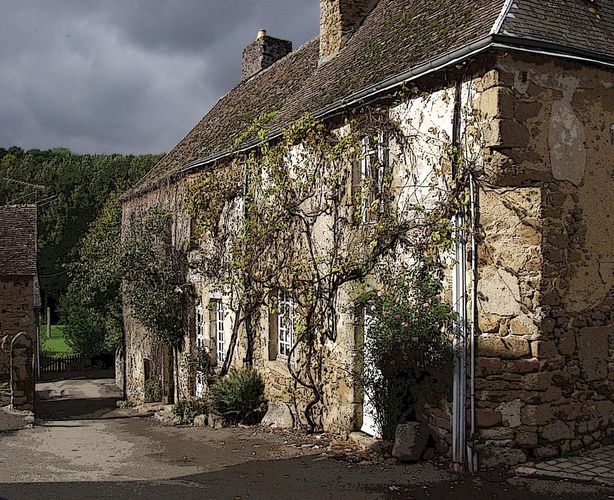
[426,305]
[397,316]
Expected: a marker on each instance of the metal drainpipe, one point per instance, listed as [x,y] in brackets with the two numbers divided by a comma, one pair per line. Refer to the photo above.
[474,313]
[459,300]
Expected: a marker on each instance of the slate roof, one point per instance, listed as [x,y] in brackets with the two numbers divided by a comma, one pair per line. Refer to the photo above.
[18,240]
[581,24]
[267,92]
[397,36]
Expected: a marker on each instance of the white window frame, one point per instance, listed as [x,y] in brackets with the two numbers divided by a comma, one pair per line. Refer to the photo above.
[285,325]
[370,178]
[220,341]
[200,324]
[200,344]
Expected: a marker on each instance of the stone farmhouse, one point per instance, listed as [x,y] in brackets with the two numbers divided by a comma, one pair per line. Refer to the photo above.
[527,87]
[19,291]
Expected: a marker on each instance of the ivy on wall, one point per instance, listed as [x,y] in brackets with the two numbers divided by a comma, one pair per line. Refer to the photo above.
[153,271]
[290,216]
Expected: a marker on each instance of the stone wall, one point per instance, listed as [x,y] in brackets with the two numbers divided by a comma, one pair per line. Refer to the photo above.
[22,372]
[143,352]
[16,313]
[546,383]
[341,408]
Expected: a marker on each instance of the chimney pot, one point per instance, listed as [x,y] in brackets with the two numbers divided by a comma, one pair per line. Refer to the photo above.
[261,34]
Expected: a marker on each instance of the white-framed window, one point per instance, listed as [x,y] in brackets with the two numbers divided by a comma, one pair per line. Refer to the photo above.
[372,171]
[200,324]
[285,324]
[217,329]
[200,344]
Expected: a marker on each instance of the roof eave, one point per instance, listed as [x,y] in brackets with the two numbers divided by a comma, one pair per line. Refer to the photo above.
[492,41]
[431,66]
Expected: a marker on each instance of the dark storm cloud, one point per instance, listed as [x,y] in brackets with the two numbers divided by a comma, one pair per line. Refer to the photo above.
[126,75]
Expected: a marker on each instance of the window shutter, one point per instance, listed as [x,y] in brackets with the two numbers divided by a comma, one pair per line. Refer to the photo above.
[359,350]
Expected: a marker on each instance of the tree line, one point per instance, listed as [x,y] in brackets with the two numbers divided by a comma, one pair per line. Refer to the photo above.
[78,212]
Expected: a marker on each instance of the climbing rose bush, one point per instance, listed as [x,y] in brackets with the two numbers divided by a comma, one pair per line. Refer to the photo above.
[407,327]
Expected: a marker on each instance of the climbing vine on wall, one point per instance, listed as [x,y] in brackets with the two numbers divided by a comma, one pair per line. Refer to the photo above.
[153,271]
[296,215]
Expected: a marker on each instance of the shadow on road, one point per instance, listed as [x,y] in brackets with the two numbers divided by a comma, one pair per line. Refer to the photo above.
[303,478]
[77,398]
[75,409]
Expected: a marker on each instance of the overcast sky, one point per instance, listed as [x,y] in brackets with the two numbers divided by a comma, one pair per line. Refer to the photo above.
[127,76]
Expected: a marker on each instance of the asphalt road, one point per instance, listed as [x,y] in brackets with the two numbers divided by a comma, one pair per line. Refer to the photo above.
[84,447]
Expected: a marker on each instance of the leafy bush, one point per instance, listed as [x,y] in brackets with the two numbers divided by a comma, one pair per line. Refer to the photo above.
[153,390]
[91,308]
[239,396]
[407,342]
[86,329]
[186,411]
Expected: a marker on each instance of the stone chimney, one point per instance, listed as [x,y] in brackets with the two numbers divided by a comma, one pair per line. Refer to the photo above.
[265,51]
[338,20]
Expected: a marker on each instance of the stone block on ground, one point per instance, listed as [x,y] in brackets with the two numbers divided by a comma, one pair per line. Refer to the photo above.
[370,443]
[200,421]
[215,421]
[410,441]
[278,416]
[500,454]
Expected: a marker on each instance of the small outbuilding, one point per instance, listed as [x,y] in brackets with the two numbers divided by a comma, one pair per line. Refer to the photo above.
[19,290]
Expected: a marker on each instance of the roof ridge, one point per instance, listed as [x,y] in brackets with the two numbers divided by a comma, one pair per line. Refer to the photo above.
[505,10]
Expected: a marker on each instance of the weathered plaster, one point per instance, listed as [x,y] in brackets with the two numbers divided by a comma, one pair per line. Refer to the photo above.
[566,140]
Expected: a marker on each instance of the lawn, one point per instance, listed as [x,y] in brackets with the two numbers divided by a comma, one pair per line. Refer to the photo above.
[56,345]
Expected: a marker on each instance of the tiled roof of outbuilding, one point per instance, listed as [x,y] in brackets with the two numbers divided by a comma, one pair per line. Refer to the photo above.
[18,240]
[397,36]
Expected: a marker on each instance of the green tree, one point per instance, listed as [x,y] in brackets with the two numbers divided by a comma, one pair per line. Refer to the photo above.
[91,308]
[75,190]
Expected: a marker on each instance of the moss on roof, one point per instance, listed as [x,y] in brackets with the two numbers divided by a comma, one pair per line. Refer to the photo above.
[396,36]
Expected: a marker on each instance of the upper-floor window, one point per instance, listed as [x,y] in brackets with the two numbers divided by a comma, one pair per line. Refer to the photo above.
[200,326]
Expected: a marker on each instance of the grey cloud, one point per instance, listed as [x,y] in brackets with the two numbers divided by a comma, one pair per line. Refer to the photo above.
[126,76]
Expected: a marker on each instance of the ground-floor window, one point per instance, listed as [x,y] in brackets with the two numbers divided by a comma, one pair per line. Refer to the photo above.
[216,331]
[285,324]
[200,345]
